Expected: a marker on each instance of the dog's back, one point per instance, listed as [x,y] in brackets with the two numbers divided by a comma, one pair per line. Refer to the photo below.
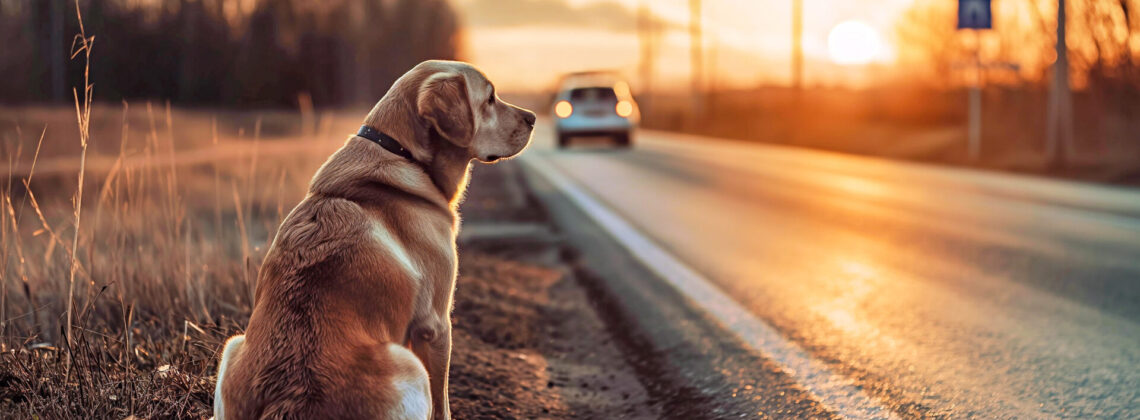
[307,354]
[367,262]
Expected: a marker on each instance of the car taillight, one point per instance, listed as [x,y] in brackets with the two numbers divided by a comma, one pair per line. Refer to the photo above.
[563,109]
[624,109]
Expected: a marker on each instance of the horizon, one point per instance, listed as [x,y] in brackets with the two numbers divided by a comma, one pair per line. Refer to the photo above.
[746,43]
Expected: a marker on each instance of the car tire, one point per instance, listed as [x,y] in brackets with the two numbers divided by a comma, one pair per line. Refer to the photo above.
[622,140]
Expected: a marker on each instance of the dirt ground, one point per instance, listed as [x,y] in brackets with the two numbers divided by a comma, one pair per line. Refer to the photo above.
[528,341]
[527,345]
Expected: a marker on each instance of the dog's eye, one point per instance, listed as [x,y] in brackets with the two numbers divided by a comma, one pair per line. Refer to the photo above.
[491,100]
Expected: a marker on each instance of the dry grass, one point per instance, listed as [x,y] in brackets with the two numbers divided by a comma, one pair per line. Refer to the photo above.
[120,275]
[163,261]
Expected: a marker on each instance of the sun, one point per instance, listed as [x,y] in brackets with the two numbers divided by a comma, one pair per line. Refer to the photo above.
[854,43]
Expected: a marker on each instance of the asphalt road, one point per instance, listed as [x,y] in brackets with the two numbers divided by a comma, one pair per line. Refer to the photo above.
[948,292]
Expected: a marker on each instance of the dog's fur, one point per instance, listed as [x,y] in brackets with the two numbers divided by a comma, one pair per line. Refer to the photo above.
[363,269]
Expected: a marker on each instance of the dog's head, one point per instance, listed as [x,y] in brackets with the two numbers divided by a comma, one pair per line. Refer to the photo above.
[458,102]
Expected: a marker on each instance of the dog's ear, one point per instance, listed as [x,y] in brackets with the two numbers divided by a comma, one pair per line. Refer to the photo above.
[444,104]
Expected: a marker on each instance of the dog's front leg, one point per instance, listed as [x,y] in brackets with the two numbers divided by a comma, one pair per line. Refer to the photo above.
[433,347]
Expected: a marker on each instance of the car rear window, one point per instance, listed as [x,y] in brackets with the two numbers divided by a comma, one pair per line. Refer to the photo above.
[594,94]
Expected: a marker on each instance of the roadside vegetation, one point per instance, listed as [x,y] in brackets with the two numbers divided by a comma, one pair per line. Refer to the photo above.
[120,281]
[130,239]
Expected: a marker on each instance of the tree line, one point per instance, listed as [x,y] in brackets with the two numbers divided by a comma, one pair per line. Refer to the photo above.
[221,52]
[1103,42]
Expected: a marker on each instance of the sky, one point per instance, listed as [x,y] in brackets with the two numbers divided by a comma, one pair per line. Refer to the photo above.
[527,44]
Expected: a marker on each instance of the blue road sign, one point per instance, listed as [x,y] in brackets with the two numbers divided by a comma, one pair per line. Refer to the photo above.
[974,14]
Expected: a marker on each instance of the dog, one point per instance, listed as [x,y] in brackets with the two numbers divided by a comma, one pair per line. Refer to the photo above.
[351,315]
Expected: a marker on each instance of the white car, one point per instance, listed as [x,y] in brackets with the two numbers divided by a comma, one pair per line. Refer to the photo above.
[595,105]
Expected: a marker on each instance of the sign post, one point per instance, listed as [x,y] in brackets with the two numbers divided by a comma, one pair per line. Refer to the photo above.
[1059,137]
[975,15]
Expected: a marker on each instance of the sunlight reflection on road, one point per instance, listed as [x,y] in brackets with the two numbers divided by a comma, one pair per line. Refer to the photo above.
[854,283]
[933,286]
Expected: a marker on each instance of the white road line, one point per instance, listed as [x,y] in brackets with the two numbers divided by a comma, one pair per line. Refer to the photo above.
[833,390]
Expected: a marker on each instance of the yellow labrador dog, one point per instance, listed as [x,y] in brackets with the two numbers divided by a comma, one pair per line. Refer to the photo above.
[351,312]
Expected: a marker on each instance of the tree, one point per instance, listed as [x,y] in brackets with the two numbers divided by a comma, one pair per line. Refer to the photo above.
[224,52]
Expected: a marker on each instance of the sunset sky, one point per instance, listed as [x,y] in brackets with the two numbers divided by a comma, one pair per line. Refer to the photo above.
[526,44]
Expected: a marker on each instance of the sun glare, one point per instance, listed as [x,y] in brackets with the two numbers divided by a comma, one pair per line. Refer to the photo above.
[853,43]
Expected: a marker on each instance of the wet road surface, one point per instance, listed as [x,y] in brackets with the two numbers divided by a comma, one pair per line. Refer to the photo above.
[941,292]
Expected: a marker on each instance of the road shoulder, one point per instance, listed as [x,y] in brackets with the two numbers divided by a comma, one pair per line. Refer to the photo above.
[692,365]
[528,341]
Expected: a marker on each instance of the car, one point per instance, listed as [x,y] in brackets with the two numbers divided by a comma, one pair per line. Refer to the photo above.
[595,104]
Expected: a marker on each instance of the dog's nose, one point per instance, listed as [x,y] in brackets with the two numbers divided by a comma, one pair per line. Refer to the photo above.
[529,117]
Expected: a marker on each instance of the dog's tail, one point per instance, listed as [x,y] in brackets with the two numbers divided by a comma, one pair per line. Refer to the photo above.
[411,383]
[232,349]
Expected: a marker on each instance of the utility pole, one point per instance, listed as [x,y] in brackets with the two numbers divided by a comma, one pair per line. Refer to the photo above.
[696,58]
[798,44]
[1059,135]
[647,35]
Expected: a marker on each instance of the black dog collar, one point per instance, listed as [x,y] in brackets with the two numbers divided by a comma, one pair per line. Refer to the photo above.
[385,141]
